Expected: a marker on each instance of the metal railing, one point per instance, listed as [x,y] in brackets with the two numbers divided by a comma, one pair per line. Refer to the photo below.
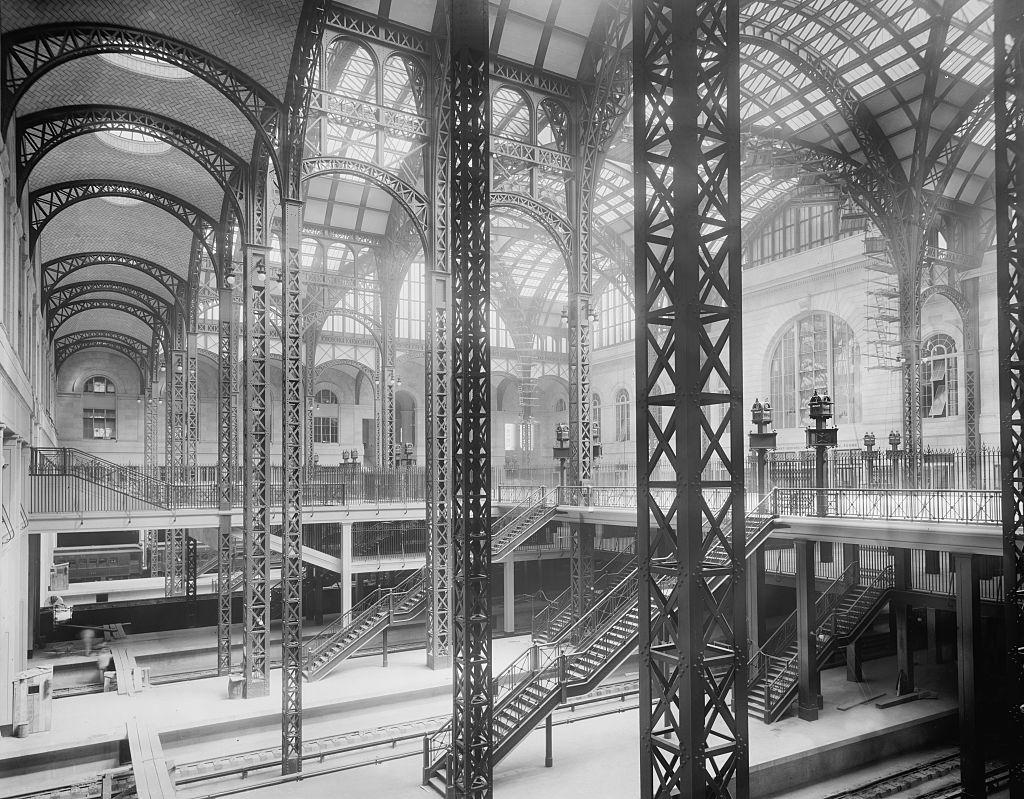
[911,504]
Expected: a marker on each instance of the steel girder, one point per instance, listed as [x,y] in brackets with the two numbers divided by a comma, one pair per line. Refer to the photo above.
[471,772]
[191,430]
[138,351]
[176,416]
[42,131]
[693,650]
[174,562]
[145,314]
[1009,151]
[191,567]
[227,382]
[56,270]
[47,202]
[437,377]
[293,413]
[256,519]
[32,52]
[152,419]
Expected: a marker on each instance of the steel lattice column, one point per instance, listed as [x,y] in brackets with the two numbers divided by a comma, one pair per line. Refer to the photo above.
[437,381]
[255,523]
[227,383]
[972,369]
[174,562]
[176,417]
[191,567]
[191,439]
[1009,146]
[471,771]
[293,413]
[308,376]
[149,444]
[693,704]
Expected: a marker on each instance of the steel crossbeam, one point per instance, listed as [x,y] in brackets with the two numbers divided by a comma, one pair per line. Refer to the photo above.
[291,531]
[470,771]
[255,522]
[174,562]
[693,651]
[227,382]
[1009,152]
[437,380]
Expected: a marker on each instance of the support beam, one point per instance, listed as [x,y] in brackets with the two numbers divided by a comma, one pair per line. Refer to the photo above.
[854,654]
[968,638]
[149,442]
[471,772]
[174,562]
[693,651]
[1008,88]
[508,596]
[191,567]
[292,415]
[190,444]
[806,624]
[227,387]
[757,632]
[255,517]
[902,615]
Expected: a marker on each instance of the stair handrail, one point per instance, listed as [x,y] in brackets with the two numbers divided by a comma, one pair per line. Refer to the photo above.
[72,462]
[510,521]
[533,493]
[369,605]
[606,611]
[884,579]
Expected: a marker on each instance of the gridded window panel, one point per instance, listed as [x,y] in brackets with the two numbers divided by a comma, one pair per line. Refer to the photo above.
[794,228]
[99,423]
[615,320]
[940,377]
[99,385]
[410,303]
[622,415]
[326,397]
[499,335]
[595,417]
[325,429]
[817,352]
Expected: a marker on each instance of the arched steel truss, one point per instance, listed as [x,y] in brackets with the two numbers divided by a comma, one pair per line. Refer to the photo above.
[412,200]
[554,223]
[143,314]
[369,372]
[32,52]
[49,201]
[57,269]
[61,296]
[43,131]
[137,351]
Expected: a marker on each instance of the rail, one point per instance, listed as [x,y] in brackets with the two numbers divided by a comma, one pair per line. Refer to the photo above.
[909,504]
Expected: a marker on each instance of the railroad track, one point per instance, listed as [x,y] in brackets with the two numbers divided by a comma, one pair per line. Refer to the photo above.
[945,768]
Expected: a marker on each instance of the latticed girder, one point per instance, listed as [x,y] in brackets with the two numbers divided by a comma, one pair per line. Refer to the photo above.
[471,771]
[227,389]
[58,269]
[1009,147]
[689,381]
[174,562]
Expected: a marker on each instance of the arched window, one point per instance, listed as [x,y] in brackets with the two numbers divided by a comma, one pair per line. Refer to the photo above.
[816,352]
[595,417]
[410,302]
[560,406]
[99,408]
[403,84]
[350,70]
[510,114]
[615,318]
[622,415]
[325,417]
[311,255]
[338,256]
[553,126]
[939,377]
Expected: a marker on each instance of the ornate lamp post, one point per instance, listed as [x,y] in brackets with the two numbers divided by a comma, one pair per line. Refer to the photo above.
[762,440]
[869,457]
[561,449]
[819,438]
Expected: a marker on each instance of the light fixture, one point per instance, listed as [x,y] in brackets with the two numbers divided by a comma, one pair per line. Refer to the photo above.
[230,281]
[178,369]
[565,314]
[163,368]
[260,276]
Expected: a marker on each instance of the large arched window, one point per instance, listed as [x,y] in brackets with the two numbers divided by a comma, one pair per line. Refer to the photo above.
[99,408]
[325,417]
[622,415]
[816,351]
[939,377]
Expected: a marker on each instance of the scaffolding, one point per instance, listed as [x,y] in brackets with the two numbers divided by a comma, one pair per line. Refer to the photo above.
[882,305]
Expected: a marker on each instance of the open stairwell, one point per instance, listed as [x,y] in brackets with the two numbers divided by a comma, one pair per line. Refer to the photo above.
[368,619]
[573,661]
[843,612]
[521,521]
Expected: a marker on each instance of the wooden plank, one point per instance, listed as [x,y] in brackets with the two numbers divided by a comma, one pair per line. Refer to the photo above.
[152,780]
[859,702]
[899,700]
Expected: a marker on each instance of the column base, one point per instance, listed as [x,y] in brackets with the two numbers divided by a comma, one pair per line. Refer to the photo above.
[436,662]
[255,690]
[807,713]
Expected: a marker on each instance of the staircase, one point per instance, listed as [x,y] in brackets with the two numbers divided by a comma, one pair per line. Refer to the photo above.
[116,484]
[522,521]
[368,619]
[843,612]
[575,660]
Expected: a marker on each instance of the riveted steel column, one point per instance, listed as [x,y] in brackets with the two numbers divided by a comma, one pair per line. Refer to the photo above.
[1009,150]
[437,396]
[292,414]
[151,422]
[968,657]
[174,562]
[227,388]
[176,421]
[693,651]
[191,442]
[255,522]
[471,771]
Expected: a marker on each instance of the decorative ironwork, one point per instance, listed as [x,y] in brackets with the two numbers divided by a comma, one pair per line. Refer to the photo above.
[47,202]
[138,351]
[471,772]
[32,52]
[437,377]
[144,314]
[191,440]
[293,412]
[347,20]
[693,705]
[256,519]
[553,222]
[1009,145]
[152,419]
[227,382]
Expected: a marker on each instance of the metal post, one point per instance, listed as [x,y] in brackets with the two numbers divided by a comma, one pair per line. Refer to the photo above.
[191,442]
[227,384]
[902,611]
[1009,155]
[292,414]
[174,562]
[693,650]
[549,759]
[191,566]
[968,636]
[806,623]
[149,445]
[472,733]
[255,524]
